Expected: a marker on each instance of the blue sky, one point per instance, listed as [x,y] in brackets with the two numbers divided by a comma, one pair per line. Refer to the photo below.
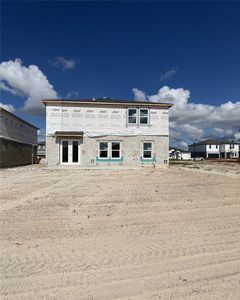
[113,47]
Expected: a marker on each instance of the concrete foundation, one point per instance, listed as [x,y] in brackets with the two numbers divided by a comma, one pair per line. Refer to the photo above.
[131,151]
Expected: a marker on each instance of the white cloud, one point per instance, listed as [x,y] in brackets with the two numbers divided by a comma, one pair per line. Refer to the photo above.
[8,107]
[72,94]
[193,122]
[28,82]
[183,145]
[64,63]
[237,136]
[168,74]
[139,95]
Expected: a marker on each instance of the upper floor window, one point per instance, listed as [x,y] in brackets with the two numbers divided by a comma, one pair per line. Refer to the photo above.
[132,116]
[210,146]
[216,146]
[143,116]
[138,116]
[231,146]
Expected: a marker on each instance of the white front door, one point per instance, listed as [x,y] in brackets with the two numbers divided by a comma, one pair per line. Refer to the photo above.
[70,152]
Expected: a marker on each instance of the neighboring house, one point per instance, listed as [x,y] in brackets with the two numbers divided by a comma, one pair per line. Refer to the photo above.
[229,149]
[179,154]
[214,149]
[106,132]
[41,149]
[206,149]
[18,140]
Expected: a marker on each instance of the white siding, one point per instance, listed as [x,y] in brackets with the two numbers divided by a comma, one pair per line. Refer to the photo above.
[213,149]
[186,156]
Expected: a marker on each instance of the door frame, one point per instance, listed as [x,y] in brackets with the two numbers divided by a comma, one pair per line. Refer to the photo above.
[70,149]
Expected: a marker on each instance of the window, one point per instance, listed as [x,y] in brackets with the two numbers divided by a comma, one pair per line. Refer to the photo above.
[132,116]
[138,116]
[210,146]
[147,150]
[216,146]
[75,151]
[65,151]
[143,116]
[109,150]
[103,149]
[115,150]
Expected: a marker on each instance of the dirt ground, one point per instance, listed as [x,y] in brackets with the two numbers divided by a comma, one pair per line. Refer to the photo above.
[121,234]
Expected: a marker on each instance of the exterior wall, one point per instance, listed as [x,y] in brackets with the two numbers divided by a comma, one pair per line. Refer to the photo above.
[14,153]
[97,121]
[131,151]
[17,139]
[13,128]
[198,150]
[52,151]
[213,151]
[229,150]
[186,156]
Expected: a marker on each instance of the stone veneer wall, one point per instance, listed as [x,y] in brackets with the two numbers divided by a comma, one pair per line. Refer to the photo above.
[131,150]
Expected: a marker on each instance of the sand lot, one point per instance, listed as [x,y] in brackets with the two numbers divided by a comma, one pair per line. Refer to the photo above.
[121,234]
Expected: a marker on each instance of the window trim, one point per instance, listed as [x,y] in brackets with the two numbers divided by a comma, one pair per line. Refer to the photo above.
[139,117]
[99,150]
[136,116]
[149,142]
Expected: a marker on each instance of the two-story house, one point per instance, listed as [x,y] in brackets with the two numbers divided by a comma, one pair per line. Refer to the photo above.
[106,132]
[229,149]
[206,149]
[215,149]
[18,140]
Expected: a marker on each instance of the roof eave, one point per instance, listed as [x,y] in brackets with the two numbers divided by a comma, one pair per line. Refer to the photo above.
[106,103]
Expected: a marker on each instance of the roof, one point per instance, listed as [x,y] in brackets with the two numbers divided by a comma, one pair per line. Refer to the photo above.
[13,115]
[229,142]
[214,142]
[207,142]
[106,101]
